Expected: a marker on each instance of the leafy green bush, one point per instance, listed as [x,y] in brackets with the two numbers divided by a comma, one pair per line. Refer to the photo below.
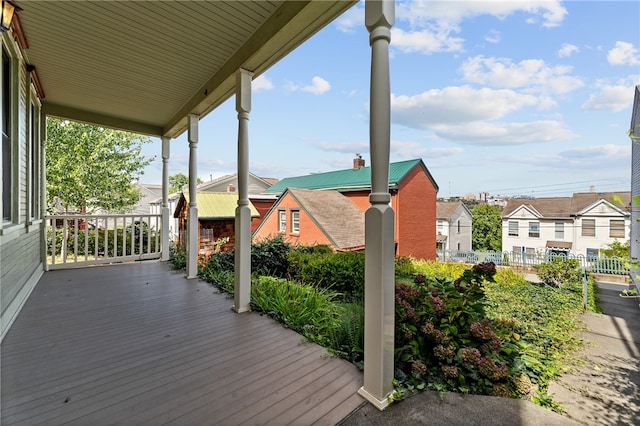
[303,308]
[559,271]
[270,257]
[338,272]
[177,255]
[444,339]
[347,335]
[405,267]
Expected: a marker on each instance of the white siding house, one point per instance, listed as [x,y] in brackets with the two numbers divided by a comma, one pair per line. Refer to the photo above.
[581,225]
[453,226]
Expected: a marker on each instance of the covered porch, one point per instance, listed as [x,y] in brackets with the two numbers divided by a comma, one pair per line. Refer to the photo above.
[137,343]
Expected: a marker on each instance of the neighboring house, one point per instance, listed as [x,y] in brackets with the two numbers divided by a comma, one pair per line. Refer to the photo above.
[634,134]
[413,198]
[582,224]
[309,217]
[453,226]
[216,220]
[227,183]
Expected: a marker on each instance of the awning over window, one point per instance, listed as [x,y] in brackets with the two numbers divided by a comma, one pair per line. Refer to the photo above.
[564,245]
[441,238]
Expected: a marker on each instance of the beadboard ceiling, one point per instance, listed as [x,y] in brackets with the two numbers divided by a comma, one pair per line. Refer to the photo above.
[143,66]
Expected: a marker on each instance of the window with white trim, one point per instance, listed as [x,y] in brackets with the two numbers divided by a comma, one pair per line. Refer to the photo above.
[458,226]
[282,221]
[295,221]
[534,229]
[440,227]
[588,227]
[7,161]
[616,228]
[559,230]
[513,228]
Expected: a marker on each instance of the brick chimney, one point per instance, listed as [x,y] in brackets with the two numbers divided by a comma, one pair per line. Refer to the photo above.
[231,188]
[358,162]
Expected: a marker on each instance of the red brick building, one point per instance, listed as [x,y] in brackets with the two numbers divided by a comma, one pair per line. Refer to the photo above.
[413,198]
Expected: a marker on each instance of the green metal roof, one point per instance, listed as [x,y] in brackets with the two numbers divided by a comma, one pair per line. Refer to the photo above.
[218,205]
[345,179]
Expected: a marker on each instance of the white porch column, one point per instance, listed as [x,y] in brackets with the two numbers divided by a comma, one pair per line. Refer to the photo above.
[192,220]
[242,293]
[379,217]
[165,199]
[43,190]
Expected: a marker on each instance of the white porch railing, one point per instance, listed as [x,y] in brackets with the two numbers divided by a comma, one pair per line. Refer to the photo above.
[81,240]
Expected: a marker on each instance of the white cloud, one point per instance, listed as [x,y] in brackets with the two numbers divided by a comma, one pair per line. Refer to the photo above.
[418,13]
[261,83]
[351,19]
[612,97]
[567,50]
[493,36]
[344,147]
[425,41]
[318,86]
[456,105]
[497,134]
[528,73]
[400,150]
[598,156]
[623,54]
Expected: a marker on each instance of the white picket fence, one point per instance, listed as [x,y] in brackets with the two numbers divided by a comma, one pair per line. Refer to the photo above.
[81,240]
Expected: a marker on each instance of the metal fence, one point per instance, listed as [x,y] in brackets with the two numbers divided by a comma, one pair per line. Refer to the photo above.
[595,264]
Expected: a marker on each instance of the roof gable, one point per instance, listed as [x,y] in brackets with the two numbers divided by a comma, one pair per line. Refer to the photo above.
[602,208]
[524,211]
[348,179]
[446,209]
[214,205]
[566,207]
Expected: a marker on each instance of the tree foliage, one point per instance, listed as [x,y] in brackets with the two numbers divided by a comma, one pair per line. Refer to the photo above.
[180,182]
[487,228]
[91,167]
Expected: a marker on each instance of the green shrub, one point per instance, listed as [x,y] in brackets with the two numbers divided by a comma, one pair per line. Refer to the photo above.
[303,308]
[177,255]
[405,267]
[347,336]
[559,271]
[338,272]
[270,257]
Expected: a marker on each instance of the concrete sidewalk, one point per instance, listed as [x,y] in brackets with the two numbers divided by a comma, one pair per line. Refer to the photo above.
[604,391]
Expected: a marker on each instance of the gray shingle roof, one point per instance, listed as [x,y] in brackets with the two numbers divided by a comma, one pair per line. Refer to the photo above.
[565,207]
[335,214]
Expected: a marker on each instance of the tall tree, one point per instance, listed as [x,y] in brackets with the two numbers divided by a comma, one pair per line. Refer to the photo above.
[179,182]
[91,167]
[487,228]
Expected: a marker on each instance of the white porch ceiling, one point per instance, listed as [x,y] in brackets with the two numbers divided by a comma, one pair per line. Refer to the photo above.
[143,66]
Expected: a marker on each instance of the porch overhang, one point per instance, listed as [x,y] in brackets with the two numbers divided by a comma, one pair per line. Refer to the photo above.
[144,66]
[559,245]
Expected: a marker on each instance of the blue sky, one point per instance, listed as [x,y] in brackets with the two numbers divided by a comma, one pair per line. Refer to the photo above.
[510,97]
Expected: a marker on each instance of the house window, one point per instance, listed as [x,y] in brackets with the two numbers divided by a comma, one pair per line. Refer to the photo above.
[513,228]
[282,221]
[440,227]
[616,228]
[458,226]
[592,254]
[458,246]
[534,229]
[588,227]
[7,169]
[295,221]
[34,153]
[559,231]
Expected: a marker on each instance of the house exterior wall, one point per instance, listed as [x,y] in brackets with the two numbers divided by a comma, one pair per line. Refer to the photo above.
[580,245]
[309,233]
[458,238]
[416,216]
[263,207]
[21,234]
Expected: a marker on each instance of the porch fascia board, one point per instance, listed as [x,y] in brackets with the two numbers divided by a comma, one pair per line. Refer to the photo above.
[75,114]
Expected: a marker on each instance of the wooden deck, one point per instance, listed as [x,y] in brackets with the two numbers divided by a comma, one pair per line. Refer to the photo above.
[139,344]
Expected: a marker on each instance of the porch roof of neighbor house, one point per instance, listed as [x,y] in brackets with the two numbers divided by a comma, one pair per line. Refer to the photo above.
[214,205]
[348,179]
[144,66]
[566,207]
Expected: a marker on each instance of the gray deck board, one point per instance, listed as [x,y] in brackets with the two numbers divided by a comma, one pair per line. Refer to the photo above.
[140,344]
